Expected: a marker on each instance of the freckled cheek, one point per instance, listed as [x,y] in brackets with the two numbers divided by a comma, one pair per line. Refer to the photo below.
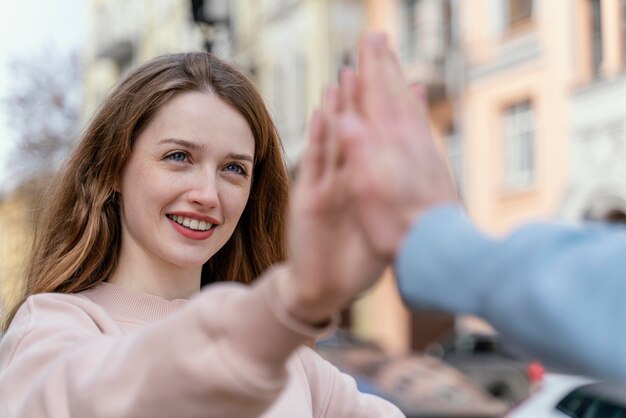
[147,191]
[234,202]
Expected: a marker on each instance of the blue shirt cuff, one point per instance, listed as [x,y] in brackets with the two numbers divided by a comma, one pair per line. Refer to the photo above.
[436,267]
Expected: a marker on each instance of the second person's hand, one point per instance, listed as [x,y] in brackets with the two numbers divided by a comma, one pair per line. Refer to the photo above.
[395,170]
[331,261]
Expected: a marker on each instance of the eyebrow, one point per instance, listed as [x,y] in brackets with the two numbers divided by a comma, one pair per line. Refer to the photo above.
[243,157]
[198,147]
[182,143]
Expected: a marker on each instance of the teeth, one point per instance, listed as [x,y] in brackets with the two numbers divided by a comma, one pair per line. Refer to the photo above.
[191,223]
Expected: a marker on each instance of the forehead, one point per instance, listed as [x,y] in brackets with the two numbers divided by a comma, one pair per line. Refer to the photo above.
[202,118]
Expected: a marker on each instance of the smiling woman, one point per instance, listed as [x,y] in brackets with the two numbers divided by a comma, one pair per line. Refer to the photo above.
[178,181]
[173,189]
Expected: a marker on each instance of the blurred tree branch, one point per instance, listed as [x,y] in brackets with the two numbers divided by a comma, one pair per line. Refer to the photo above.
[43,109]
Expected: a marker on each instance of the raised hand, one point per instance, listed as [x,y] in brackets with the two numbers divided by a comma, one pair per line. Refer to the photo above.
[331,261]
[395,171]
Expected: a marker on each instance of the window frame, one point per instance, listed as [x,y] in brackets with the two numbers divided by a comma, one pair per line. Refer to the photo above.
[515,21]
[519,143]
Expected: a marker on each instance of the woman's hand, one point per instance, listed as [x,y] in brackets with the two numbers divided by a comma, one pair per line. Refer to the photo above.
[397,171]
[331,261]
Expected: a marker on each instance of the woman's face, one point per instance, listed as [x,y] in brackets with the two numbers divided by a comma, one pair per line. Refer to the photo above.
[187,182]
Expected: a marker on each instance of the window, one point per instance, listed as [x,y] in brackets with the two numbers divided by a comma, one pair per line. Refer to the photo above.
[448,29]
[596,36]
[595,400]
[519,11]
[511,15]
[426,30]
[574,404]
[519,137]
[410,29]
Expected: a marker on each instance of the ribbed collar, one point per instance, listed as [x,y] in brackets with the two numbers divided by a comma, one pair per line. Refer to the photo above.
[132,305]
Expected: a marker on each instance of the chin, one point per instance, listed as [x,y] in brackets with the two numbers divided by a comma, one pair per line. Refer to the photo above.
[187,261]
[189,257]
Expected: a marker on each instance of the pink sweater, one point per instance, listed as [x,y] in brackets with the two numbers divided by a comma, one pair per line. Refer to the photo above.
[231,351]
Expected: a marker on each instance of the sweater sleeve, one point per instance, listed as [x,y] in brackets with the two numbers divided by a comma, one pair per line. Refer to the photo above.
[334,394]
[222,355]
[555,291]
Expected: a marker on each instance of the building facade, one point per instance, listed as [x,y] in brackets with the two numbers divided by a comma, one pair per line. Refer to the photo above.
[596,188]
[124,33]
[525,97]
[294,48]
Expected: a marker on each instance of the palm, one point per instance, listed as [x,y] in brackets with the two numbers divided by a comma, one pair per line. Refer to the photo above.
[327,242]
[330,257]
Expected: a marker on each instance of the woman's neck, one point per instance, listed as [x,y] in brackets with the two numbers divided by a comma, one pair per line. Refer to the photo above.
[159,279]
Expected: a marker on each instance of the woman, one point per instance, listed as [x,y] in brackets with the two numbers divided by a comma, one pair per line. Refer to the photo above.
[179,180]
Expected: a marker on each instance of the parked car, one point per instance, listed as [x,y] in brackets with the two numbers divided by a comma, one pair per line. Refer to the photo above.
[421,385]
[497,369]
[563,396]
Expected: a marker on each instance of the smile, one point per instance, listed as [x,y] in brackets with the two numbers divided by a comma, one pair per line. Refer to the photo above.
[189,223]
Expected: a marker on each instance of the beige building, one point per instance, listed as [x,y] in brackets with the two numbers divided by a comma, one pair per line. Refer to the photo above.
[499,74]
[295,48]
[123,33]
[527,97]
[596,187]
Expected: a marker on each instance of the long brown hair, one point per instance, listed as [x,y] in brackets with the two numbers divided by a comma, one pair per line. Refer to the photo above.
[77,239]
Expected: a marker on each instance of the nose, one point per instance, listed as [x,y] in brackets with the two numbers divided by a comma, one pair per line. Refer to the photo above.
[204,191]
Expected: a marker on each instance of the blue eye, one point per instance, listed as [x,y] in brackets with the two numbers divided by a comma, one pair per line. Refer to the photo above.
[237,168]
[178,156]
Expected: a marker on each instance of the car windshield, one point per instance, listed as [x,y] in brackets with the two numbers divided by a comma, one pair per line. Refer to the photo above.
[597,400]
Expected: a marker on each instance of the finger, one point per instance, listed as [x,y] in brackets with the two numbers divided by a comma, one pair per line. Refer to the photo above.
[395,65]
[369,67]
[353,130]
[419,91]
[354,135]
[359,147]
[381,88]
[330,101]
[330,112]
[420,94]
[347,91]
[312,165]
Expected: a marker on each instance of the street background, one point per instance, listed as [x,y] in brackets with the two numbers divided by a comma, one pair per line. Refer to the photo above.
[526,98]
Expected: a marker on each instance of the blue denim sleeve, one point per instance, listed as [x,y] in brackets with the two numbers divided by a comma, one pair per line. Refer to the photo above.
[555,291]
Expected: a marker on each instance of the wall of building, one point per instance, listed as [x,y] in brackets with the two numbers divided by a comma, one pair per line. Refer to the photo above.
[125,33]
[597,185]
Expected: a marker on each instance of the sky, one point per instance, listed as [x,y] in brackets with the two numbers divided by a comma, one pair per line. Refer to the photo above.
[26,27]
